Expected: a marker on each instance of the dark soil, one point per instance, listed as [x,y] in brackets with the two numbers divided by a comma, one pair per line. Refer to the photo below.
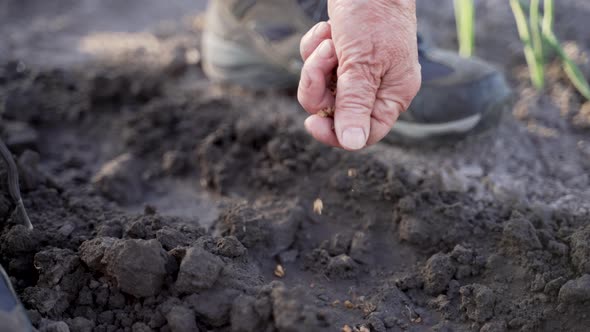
[163,203]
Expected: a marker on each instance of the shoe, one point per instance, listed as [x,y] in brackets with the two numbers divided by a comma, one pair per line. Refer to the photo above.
[255,43]
[458,96]
[13,317]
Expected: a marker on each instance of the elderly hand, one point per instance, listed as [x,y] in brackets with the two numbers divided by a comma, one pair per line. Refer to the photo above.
[372,43]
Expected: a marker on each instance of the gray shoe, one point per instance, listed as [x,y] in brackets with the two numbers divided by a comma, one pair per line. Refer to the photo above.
[255,43]
[457,96]
[13,317]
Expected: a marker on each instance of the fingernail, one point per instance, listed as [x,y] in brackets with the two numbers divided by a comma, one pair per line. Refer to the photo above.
[354,138]
[325,49]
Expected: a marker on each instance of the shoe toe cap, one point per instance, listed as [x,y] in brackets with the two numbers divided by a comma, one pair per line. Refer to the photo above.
[475,88]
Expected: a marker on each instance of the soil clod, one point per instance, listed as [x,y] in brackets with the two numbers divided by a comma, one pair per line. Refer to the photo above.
[199,270]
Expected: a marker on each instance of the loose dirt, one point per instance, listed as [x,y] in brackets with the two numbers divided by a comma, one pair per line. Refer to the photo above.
[163,203]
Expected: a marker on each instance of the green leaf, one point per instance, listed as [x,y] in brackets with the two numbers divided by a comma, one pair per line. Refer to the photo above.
[572,70]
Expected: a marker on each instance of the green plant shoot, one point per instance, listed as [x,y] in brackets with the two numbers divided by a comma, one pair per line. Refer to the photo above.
[535,66]
[537,39]
[465,21]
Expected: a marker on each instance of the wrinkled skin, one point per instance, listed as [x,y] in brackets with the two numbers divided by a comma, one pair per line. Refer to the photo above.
[373,45]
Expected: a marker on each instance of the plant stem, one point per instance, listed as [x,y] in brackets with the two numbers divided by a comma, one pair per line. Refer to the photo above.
[465,21]
[537,40]
[548,16]
[535,68]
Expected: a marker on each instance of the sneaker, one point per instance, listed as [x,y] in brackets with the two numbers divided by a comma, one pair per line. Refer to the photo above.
[13,317]
[458,96]
[255,43]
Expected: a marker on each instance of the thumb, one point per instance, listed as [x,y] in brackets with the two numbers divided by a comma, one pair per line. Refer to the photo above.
[355,99]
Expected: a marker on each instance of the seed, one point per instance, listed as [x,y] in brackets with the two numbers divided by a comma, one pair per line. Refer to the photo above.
[346,328]
[332,85]
[318,206]
[352,172]
[279,271]
[348,304]
[364,329]
[327,112]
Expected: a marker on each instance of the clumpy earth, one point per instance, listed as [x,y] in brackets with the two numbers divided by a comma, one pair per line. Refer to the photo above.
[164,203]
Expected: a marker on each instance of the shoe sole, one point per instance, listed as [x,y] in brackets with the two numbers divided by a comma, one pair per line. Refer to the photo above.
[407,133]
[422,131]
[230,62]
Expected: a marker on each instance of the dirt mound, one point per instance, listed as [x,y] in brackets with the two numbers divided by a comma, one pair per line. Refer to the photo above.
[390,249]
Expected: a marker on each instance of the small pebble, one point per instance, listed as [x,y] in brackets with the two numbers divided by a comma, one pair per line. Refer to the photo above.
[348,304]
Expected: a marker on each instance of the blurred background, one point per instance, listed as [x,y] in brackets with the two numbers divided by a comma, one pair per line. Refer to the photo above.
[62,31]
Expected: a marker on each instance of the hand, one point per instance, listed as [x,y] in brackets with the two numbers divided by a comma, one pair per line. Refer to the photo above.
[372,43]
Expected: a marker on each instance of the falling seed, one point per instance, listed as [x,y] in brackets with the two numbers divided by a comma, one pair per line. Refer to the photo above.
[318,206]
[346,328]
[192,56]
[279,271]
[348,304]
[352,173]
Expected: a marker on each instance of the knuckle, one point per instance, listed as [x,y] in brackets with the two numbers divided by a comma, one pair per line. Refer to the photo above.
[355,103]
[304,46]
[413,84]
[359,73]
[417,77]
[356,91]
[389,116]
[303,98]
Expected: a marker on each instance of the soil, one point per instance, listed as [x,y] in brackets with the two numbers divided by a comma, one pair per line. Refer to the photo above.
[164,203]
